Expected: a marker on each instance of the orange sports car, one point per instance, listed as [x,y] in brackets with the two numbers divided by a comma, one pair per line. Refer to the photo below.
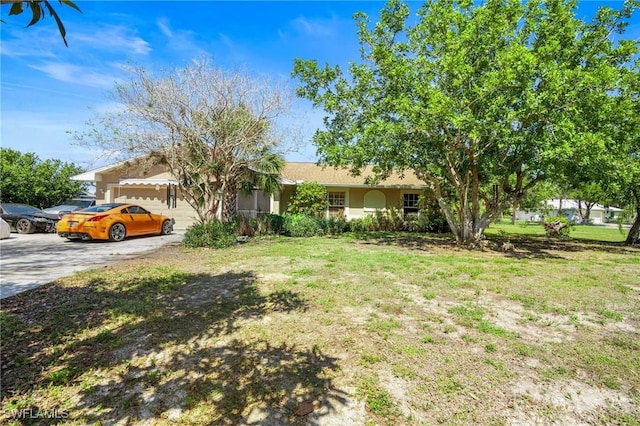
[112,222]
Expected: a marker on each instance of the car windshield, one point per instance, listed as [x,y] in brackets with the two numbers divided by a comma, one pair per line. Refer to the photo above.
[20,209]
[63,207]
[79,203]
[101,208]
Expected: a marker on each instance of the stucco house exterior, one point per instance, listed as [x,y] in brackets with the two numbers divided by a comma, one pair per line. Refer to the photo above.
[155,189]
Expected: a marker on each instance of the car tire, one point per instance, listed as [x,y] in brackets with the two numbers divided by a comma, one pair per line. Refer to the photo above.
[24,226]
[167,228]
[117,232]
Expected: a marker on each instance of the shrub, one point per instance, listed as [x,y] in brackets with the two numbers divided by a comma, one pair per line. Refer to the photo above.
[334,225]
[431,218]
[357,225]
[276,223]
[391,220]
[264,224]
[298,225]
[433,222]
[310,199]
[246,226]
[215,234]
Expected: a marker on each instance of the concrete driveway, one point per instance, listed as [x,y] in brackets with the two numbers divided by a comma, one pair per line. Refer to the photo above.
[30,260]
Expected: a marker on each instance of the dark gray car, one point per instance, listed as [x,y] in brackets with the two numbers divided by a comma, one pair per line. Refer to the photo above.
[25,219]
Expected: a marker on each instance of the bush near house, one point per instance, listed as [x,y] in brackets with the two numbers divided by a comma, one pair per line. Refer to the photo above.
[309,199]
[219,234]
[264,224]
[300,225]
[392,221]
[334,225]
[214,234]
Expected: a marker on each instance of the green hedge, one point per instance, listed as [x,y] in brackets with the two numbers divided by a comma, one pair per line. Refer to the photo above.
[298,225]
[217,234]
[391,221]
[214,234]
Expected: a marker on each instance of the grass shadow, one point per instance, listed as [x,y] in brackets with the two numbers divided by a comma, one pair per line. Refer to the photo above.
[542,247]
[227,384]
[165,339]
[524,246]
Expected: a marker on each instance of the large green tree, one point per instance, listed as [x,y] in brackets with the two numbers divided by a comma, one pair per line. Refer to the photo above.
[482,101]
[214,129]
[608,169]
[620,174]
[24,178]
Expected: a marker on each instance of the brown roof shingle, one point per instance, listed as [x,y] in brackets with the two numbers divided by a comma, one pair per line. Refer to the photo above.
[330,176]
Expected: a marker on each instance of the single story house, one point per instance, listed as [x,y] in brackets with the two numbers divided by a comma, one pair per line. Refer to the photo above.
[155,189]
[570,209]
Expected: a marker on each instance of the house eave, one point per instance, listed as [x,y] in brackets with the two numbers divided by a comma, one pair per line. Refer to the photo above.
[95,175]
[147,182]
[359,185]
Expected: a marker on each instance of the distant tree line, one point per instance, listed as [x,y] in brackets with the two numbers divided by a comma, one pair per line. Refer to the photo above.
[25,178]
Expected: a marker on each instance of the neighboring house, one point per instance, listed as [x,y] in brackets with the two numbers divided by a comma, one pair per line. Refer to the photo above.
[599,214]
[155,189]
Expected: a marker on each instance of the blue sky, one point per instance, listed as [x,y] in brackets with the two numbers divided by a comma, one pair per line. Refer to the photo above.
[48,90]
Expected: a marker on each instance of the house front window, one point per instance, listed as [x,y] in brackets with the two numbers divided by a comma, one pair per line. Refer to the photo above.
[410,203]
[336,204]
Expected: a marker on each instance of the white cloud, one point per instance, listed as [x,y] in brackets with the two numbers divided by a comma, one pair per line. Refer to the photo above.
[44,89]
[45,42]
[163,24]
[22,41]
[112,38]
[314,27]
[183,41]
[226,40]
[71,73]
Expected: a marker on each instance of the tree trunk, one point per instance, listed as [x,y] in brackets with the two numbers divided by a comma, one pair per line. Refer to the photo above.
[469,229]
[560,207]
[633,237]
[580,210]
[467,224]
[230,203]
[584,215]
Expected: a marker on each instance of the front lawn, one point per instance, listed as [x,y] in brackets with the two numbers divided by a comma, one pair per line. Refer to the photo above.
[606,233]
[368,329]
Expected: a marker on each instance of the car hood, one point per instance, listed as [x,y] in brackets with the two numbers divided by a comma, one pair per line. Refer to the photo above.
[46,216]
[58,209]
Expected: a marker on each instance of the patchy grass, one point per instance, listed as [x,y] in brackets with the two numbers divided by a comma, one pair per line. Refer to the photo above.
[362,329]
